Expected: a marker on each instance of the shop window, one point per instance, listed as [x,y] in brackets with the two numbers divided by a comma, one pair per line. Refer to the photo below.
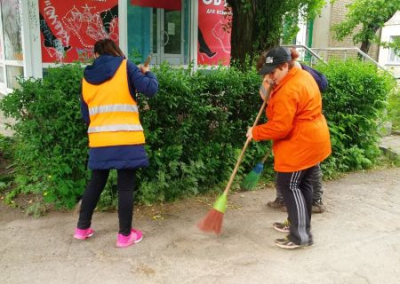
[167,23]
[11,20]
[11,53]
[12,72]
[393,57]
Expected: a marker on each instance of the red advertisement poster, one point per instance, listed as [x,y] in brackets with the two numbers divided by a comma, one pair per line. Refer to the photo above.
[163,4]
[69,28]
[214,39]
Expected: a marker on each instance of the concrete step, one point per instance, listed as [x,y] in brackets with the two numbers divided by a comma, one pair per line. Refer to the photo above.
[391,144]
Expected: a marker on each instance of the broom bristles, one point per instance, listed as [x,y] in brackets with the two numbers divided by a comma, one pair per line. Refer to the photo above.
[212,222]
[251,181]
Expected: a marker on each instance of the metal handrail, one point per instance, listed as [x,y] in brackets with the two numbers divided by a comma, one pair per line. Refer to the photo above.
[359,51]
[308,49]
[366,56]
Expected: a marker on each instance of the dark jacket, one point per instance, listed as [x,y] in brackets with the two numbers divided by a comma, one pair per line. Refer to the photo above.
[320,78]
[124,156]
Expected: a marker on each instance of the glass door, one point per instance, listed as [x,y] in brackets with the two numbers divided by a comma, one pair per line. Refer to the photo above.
[167,36]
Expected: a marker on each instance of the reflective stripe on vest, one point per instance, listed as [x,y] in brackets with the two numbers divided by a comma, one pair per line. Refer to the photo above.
[116,127]
[114,115]
[112,108]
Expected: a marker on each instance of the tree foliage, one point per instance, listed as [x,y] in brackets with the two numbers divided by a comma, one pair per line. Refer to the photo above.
[259,24]
[369,16]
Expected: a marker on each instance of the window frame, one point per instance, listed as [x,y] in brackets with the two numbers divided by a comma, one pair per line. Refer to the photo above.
[5,63]
[393,59]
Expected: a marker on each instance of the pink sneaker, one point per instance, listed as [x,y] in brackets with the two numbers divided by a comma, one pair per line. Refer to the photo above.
[126,241]
[83,234]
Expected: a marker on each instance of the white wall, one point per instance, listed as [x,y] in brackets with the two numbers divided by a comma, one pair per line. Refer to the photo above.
[391,28]
[321,31]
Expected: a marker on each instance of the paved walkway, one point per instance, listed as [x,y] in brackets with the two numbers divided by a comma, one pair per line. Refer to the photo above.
[356,241]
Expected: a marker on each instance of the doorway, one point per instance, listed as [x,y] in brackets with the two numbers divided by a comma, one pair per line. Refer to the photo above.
[167,36]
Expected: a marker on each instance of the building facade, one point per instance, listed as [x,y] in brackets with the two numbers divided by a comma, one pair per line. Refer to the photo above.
[387,56]
[334,13]
[36,34]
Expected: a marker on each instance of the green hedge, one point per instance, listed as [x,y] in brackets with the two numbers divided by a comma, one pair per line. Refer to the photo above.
[49,148]
[356,97]
[393,110]
[195,128]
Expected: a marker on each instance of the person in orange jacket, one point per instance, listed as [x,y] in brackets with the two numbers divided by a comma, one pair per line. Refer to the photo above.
[300,138]
[318,191]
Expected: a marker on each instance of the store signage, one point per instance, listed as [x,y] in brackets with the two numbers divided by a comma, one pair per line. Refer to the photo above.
[214,33]
[69,28]
[213,2]
[163,4]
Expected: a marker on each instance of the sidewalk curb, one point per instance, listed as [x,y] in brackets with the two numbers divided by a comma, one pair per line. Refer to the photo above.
[390,145]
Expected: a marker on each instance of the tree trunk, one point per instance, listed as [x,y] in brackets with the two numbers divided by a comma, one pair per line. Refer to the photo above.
[256,26]
[365,45]
[372,30]
[242,33]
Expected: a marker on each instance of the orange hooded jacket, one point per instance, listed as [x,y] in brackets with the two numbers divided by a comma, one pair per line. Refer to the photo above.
[296,124]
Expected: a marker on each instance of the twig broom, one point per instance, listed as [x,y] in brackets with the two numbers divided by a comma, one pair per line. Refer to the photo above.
[212,222]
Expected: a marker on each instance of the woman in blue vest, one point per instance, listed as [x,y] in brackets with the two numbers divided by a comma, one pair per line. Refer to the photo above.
[116,139]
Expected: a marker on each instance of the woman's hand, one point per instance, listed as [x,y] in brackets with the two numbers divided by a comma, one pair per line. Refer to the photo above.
[249,133]
[263,92]
[264,87]
[144,68]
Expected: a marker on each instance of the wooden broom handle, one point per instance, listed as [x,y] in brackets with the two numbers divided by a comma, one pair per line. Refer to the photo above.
[228,186]
[148,60]
[265,157]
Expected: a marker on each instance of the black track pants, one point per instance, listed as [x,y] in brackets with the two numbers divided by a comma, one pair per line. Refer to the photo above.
[297,191]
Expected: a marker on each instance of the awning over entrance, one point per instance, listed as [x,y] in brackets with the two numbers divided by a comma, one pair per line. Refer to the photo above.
[163,4]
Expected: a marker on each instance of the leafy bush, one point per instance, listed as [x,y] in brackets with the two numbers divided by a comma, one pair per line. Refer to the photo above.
[6,146]
[394,108]
[195,128]
[50,138]
[356,96]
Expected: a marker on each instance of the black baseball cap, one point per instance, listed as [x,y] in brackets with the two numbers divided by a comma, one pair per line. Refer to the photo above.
[274,58]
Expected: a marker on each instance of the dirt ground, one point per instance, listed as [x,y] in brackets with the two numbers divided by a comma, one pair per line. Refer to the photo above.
[357,240]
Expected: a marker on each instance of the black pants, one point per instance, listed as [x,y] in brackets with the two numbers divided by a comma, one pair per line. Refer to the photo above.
[126,192]
[297,191]
[316,180]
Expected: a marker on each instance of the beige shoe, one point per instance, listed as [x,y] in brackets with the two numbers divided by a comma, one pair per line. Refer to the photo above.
[277,203]
[318,206]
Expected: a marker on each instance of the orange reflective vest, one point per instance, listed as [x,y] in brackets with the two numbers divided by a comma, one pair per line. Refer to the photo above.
[114,114]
